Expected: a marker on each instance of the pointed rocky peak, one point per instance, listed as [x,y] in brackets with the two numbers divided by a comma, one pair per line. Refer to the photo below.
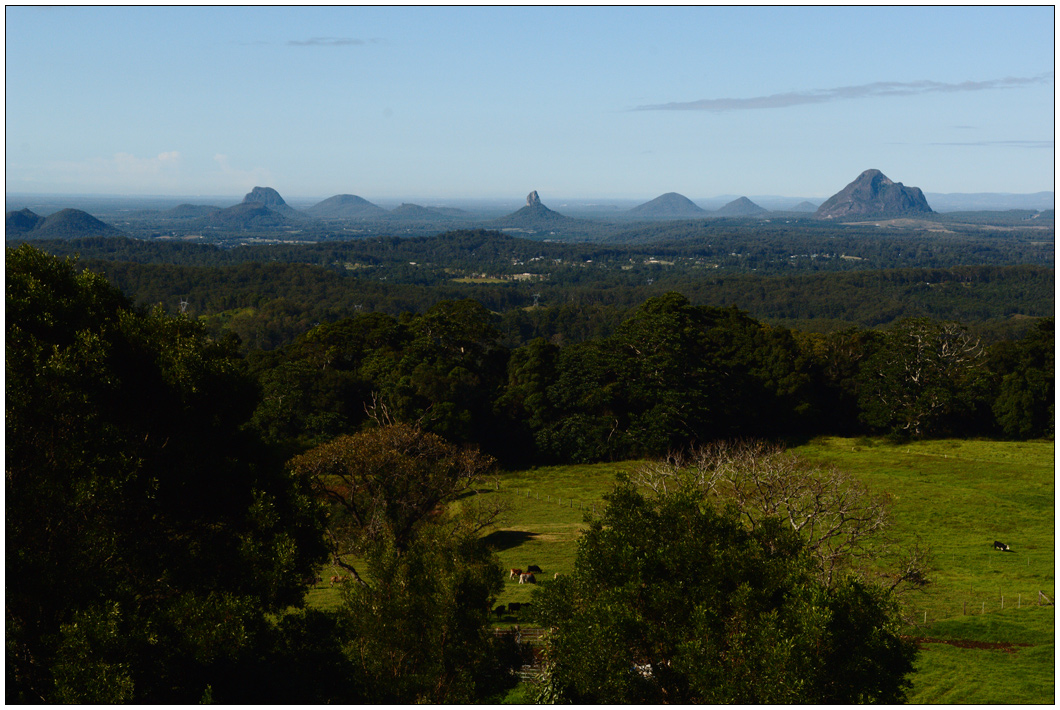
[874,194]
[532,200]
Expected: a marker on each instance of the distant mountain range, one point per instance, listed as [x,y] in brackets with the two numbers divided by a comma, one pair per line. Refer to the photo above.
[871,195]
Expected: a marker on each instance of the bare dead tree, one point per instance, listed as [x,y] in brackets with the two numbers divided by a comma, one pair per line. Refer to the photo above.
[843,524]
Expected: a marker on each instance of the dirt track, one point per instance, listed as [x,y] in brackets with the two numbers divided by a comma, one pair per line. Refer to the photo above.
[967,643]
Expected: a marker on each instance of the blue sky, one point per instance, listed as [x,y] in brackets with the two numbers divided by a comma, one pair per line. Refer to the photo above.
[468,102]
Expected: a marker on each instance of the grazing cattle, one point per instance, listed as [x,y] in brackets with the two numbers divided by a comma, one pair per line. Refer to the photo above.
[514,607]
[514,573]
[337,579]
[533,568]
[527,578]
[499,611]
[1000,546]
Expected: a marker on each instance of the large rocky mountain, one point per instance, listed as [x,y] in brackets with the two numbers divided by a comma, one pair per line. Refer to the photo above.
[669,206]
[346,207]
[270,198]
[740,207]
[873,194]
[64,224]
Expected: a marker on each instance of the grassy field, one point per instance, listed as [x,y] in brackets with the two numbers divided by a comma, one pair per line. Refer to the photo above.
[986,638]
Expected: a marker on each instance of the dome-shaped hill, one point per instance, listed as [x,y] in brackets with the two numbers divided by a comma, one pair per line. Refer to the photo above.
[740,207]
[672,205]
[20,222]
[345,207]
[71,224]
[407,210]
[187,211]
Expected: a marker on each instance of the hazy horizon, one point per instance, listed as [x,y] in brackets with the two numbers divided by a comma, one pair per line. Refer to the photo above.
[488,103]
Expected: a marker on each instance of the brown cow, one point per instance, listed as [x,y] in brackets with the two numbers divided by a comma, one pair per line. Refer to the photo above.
[527,578]
[337,579]
[514,573]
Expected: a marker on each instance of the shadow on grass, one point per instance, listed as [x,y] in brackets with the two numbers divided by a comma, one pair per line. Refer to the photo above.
[507,539]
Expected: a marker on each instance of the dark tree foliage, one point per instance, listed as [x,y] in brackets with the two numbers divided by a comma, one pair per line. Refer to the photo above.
[673,373]
[147,532]
[1025,385]
[442,369]
[673,601]
[414,624]
[804,275]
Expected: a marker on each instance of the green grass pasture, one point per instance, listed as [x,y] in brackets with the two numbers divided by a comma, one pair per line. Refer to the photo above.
[994,644]
[546,512]
[986,639]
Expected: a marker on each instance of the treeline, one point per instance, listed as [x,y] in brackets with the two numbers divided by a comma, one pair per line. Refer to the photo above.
[741,247]
[267,304]
[670,374]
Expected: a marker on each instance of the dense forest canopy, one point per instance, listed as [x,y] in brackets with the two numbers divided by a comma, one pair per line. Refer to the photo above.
[822,279]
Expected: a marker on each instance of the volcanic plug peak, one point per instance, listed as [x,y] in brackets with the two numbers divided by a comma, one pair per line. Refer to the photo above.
[874,194]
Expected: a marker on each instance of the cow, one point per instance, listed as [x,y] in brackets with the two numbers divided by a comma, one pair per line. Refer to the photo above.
[533,568]
[337,579]
[499,611]
[527,578]
[1001,546]
[514,573]
[514,607]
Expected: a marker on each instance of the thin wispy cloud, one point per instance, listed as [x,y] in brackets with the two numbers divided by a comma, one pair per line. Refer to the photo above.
[331,42]
[1005,144]
[876,89]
